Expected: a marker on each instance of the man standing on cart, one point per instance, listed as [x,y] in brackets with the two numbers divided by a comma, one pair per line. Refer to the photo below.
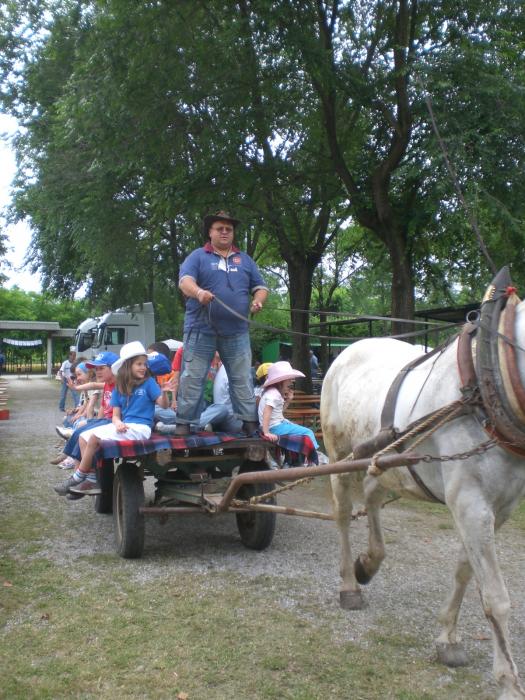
[221,285]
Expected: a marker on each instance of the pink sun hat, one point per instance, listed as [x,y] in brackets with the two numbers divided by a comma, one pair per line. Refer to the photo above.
[280,372]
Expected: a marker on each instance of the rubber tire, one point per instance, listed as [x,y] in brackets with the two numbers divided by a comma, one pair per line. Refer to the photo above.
[128,497]
[104,502]
[256,528]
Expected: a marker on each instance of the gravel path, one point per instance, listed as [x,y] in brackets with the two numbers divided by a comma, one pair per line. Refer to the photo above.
[408,590]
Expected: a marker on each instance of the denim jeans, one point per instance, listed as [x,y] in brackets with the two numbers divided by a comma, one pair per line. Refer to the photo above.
[72,448]
[63,395]
[288,428]
[165,415]
[236,356]
[221,418]
[219,415]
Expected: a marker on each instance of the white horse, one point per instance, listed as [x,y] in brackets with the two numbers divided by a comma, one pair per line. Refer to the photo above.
[481,491]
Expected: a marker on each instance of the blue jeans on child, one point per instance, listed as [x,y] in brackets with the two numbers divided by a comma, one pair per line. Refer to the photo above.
[287,428]
[219,415]
[72,448]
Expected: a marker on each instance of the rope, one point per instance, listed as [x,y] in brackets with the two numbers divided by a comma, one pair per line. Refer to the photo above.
[286,487]
[291,485]
[353,317]
[446,413]
[453,176]
[274,329]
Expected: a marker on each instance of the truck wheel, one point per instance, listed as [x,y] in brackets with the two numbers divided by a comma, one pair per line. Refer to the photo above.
[256,528]
[128,497]
[104,502]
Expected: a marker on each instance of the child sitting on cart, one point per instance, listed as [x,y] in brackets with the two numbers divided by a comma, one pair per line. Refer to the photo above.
[133,400]
[70,456]
[277,391]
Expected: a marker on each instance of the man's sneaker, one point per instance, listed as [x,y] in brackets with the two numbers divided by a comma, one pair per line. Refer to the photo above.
[181,429]
[59,458]
[64,433]
[63,488]
[86,488]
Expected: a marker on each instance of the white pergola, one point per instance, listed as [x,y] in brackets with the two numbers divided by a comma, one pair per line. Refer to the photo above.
[50,328]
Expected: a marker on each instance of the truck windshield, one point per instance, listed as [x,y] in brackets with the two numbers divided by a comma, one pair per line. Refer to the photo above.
[107,335]
[99,336]
[83,341]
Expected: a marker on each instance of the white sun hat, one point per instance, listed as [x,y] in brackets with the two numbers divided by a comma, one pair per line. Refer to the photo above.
[280,372]
[173,344]
[133,349]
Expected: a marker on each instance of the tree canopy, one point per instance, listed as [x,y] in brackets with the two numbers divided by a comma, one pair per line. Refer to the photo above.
[304,117]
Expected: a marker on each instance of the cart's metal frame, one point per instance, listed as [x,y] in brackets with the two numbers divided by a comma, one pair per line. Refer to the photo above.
[211,480]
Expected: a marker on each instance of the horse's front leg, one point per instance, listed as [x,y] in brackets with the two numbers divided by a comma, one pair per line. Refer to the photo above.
[350,596]
[475,522]
[449,650]
[367,563]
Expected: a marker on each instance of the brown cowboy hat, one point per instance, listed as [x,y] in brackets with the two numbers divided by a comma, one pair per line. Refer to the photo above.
[218,216]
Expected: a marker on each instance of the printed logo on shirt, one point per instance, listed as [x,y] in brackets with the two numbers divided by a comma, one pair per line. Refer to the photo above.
[140,391]
[236,259]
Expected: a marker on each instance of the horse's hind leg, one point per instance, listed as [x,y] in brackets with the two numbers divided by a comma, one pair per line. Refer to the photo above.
[449,650]
[350,596]
[367,564]
[475,522]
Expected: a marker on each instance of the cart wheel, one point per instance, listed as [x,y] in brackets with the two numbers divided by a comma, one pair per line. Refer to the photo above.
[128,497]
[256,528]
[104,502]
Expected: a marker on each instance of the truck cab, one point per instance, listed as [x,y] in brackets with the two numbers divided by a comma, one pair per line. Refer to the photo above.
[116,328]
[85,335]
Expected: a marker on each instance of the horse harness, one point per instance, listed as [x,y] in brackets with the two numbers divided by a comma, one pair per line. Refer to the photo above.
[490,383]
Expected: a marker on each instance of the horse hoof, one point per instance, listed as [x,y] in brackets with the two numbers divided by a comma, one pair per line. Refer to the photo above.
[360,572]
[512,694]
[351,600]
[451,654]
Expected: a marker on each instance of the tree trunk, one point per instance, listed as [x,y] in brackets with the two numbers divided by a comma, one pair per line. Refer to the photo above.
[403,297]
[300,276]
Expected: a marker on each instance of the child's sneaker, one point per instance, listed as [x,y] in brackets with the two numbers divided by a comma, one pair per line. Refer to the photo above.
[63,488]
[67,463]
[166,429]
[65,433]
[74,496]
[86,488]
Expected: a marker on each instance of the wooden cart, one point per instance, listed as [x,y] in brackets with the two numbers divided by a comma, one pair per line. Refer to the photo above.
[191,475]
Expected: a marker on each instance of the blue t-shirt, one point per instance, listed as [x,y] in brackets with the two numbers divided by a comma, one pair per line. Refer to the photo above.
[140,406]
[233,280]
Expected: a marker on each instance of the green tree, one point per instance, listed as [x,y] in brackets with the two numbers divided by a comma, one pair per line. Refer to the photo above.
[141,117]
[362,59]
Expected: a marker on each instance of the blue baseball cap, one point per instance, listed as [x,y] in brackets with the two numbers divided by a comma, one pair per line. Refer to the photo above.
[158,364]
[103,358]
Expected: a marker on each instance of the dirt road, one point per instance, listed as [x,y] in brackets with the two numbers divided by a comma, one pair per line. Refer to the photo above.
[408,591]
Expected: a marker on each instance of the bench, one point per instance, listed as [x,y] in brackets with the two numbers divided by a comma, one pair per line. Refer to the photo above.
[304,410]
